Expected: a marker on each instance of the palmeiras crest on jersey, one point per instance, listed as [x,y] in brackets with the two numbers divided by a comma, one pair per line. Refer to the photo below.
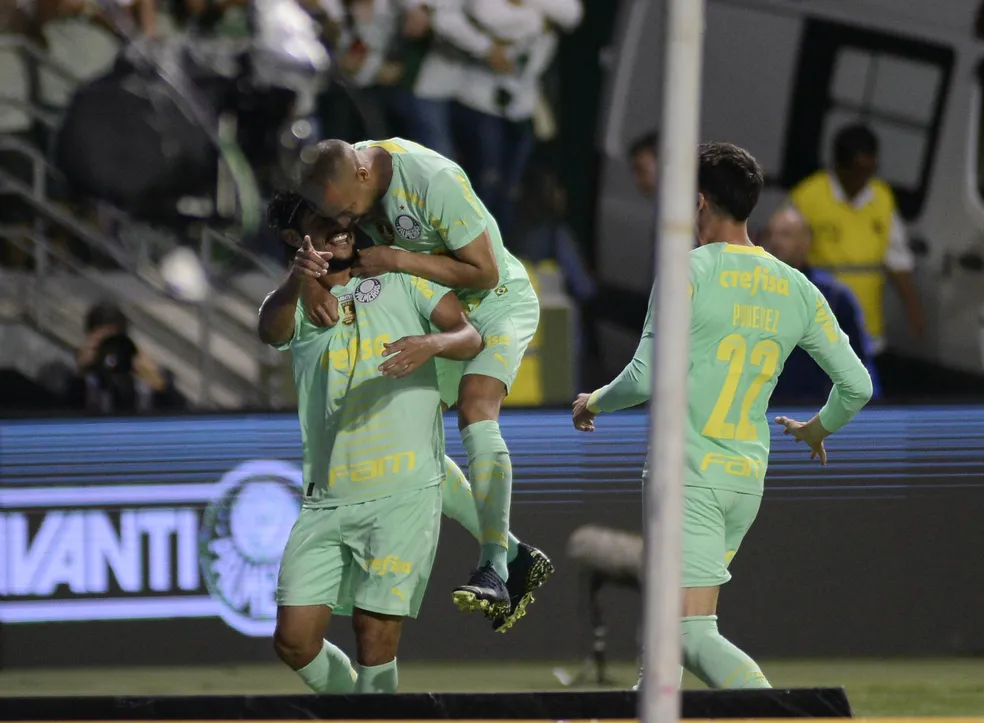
[407,227]
[243,534]
[368,290]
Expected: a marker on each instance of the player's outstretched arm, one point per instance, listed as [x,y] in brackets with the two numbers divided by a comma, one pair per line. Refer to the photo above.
[631,387]
[831,349]
[457,339]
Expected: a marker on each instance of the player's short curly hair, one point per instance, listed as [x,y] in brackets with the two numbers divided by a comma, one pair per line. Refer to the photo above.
[284,211]
[730,179]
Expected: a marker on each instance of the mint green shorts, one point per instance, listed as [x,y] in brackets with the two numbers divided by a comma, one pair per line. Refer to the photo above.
[375,556]
[507,320]
[714,524]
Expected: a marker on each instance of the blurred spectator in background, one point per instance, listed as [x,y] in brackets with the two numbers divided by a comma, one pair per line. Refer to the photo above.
[497,102]
[223,18]
[453,43]
[644,156]
[361,35]
[788,238]
[857,232]
[113,375]
[548,244]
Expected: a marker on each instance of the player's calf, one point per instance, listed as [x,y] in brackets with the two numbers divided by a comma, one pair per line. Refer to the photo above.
[490,469]
[298,642]
[377,639]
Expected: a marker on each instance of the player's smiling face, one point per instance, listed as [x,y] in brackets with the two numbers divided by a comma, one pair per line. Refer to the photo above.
[326,235]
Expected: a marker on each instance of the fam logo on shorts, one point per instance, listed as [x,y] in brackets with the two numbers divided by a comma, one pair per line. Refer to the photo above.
[368,290]
[407,227]
[243,534]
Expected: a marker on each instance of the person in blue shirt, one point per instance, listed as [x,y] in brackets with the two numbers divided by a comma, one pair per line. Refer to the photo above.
[788,238]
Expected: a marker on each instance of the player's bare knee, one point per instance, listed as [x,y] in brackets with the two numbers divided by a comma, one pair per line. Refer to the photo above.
[377,637]
[297,639]
[295,650]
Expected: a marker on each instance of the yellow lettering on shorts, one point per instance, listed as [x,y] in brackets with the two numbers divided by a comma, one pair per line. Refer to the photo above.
[390,563]
[372,469]
[736,466]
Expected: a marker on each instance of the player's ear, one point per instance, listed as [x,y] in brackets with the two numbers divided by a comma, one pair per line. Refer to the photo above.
[362,174]
[291,238]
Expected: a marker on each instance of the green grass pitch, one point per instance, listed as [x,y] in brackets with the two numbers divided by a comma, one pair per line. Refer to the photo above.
[947,687]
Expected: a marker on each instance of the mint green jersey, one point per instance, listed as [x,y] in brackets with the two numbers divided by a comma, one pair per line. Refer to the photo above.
[431,208]
[366,435]
[750,311]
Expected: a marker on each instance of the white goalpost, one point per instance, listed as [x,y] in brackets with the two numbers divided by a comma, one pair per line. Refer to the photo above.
[660,696]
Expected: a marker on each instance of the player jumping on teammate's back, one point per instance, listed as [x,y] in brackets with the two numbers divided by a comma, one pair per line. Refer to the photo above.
[370,412]
[528,566]
[406,196]
[748,312]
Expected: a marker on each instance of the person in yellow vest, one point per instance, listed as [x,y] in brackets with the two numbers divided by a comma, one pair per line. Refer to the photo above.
[858,235]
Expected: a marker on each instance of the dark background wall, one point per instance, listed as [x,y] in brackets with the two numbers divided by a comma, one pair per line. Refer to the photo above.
[876,554]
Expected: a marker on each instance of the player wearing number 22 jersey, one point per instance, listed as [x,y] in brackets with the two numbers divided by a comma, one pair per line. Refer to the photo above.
[748,312]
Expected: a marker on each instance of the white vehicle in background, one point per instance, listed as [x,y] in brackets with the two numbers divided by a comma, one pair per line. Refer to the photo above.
[780,77]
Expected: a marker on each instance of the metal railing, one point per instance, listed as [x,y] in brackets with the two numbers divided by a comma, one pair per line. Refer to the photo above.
[213,316]
[200,370]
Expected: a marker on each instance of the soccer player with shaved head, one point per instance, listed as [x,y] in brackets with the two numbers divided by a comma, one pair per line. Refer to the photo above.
[409,198]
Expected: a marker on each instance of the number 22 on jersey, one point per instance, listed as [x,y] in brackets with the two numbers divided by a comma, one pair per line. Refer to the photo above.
[733,349]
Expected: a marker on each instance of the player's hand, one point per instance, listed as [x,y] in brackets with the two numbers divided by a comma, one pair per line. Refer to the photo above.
[811,432]
[308,263]
[407,355]
[583,417]
[376,260]
[320,305]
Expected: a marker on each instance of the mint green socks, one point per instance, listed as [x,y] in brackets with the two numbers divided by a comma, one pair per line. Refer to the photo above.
[377,678]
[716,661]
[331,671]
[458,504]
[490,469]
